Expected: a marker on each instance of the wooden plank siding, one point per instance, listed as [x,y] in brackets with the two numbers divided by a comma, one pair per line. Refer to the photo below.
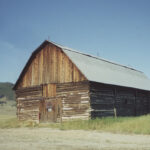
[67,101]
[79,100]
[49,90]
[75,100]
[29,92]
[50,110]
[142,103]
[28,109]
[28,100]
[50,65]
[105,99]
[102,100]
[149,102]
[125,102]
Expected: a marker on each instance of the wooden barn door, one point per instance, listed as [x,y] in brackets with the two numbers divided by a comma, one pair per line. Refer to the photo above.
[50,106]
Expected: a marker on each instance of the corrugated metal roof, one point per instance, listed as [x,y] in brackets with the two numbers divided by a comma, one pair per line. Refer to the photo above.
[103,71]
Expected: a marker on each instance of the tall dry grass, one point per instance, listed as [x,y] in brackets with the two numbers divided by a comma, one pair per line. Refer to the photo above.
[136,125]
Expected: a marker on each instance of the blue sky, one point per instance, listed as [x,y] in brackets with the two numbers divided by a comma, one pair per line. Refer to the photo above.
[117,30]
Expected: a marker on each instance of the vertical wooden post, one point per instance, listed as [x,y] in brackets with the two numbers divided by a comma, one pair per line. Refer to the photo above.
[115,112]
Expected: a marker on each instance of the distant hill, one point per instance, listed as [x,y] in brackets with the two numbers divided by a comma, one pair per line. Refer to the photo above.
[6,92]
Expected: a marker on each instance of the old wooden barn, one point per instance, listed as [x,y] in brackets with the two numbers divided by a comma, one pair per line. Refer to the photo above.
[58,83]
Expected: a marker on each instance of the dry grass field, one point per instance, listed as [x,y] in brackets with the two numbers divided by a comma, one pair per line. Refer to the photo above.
[93,135]
[54,139]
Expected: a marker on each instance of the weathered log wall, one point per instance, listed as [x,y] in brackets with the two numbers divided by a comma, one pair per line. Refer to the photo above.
[49,65]
[125,101]
[80,100]
[102,100]
[142,103]
[149,102]
[28,109]
[69,101]
[28,100]
[33,91]
[109,100]
[75,100]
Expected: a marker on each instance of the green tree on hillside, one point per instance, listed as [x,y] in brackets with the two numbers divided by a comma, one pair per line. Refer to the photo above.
[6,91]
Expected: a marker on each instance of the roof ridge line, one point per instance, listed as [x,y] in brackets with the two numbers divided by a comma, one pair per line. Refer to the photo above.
[89,55]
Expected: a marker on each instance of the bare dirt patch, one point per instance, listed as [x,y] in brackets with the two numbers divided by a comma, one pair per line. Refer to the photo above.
[53,139]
